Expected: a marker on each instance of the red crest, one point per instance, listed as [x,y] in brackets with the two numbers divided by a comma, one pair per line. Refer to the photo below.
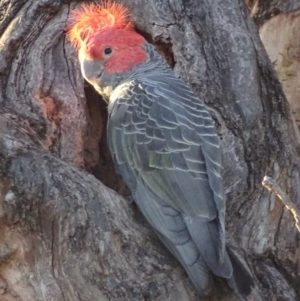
[92,18]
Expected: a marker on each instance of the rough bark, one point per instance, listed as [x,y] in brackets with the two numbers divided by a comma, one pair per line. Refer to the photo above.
[64,235]
[263,10]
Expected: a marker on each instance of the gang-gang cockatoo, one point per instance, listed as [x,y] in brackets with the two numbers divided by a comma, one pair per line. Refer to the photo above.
[163,143]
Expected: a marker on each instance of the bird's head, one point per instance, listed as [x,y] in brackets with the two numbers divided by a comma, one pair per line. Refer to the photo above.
[109,48]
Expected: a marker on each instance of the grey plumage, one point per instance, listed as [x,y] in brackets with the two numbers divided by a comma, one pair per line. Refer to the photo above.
[165,147]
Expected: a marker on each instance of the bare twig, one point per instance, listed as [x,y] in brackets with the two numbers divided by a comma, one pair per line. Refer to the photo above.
[272,186]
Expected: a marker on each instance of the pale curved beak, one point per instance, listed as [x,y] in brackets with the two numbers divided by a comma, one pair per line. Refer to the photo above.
[91,70]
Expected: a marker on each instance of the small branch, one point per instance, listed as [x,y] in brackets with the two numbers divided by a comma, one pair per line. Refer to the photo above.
[272,186]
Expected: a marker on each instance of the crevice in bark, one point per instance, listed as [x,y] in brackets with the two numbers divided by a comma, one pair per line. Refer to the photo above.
[102,166]
[165,49]
[163,46]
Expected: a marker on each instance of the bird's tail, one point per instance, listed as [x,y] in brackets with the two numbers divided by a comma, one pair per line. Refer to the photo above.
[198,271]
[241,281]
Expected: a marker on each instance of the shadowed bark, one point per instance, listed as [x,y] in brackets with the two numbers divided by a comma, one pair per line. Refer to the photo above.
[67,237]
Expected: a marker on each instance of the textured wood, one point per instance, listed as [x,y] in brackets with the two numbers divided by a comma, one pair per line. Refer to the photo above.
[66,236]
[263,10]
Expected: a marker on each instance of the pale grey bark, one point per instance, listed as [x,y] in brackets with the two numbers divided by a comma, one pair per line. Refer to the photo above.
[66,236]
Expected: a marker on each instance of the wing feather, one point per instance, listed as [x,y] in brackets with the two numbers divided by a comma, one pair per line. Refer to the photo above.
[166,137]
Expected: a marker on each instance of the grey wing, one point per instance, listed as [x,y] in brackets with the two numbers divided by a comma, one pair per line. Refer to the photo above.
[163,142]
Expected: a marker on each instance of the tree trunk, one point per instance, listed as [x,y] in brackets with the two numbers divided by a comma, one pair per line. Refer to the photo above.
[67,237]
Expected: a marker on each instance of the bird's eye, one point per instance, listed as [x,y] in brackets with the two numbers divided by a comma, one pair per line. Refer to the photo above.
[107,51]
